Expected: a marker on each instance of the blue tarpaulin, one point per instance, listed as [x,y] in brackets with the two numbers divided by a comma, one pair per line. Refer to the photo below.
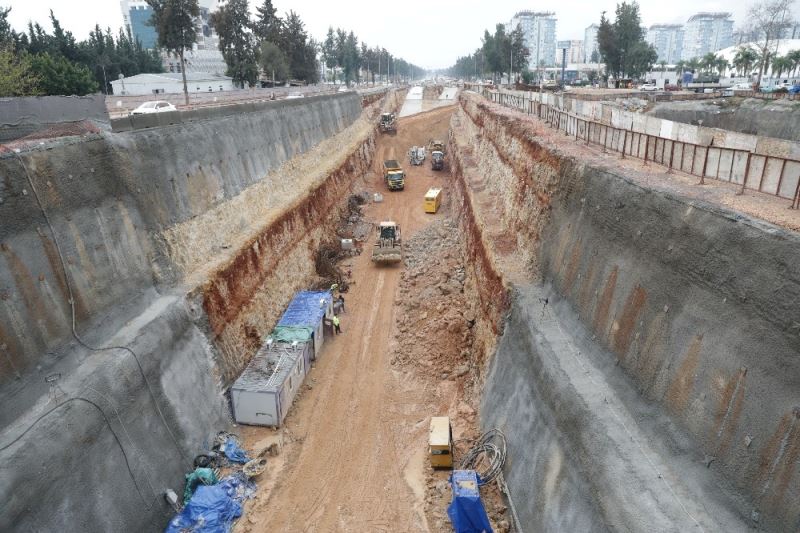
[305,309]
[466,511]
[214,508]
[234,452]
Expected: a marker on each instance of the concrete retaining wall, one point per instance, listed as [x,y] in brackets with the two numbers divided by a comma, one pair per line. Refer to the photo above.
[689,311]
[110,198]
[767,118]
[125,208]
[22,116]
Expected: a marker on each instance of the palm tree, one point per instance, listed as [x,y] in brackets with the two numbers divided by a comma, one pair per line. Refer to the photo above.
[693,64]
[780,64]
[722,65]
[744,60]
[794,57]
[708,62]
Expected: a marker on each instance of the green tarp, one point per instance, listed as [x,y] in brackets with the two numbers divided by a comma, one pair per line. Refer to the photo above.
[290,334]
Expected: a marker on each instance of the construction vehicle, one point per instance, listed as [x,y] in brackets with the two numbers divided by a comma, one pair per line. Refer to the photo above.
[437,154]
[416,155]
[394,175]
[437,160]
[433,200]
[388,122]
[388,248]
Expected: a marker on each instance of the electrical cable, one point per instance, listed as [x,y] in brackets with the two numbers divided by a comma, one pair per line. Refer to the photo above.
[72,309]
[486,457]
[108,423]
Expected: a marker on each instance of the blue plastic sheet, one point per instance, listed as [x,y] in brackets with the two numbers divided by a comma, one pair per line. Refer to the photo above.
[466,511]
[233,452]
[305,309]
[214,508]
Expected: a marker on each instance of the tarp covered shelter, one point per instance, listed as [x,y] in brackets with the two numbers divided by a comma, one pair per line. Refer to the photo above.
[298,334]
[309,309]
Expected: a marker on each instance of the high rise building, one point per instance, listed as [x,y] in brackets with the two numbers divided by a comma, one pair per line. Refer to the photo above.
[136,18]
[590,42]
[575,52]
[706,32]
[667,39]
[539,30]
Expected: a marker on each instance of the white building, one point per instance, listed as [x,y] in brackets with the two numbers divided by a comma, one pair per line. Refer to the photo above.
[575,53]
[539,30]
[706,32]
[590,42]
[170,83]
[197,62]
[667,39]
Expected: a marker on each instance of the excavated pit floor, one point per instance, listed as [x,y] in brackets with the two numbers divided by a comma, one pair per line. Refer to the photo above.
[354,445]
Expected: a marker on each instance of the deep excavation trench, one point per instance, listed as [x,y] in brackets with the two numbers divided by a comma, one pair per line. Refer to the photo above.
[638,348]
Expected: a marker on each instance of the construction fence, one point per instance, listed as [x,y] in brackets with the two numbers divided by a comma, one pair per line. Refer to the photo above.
[770,174]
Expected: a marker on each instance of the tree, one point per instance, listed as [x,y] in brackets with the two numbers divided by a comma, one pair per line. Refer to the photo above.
[607,45]
[16,75]
[794,57]
[267,26]
[708,61]
[767,21]
[236,42]
[744,60]
[294,41]
[780,64]
[621,43]
[329,55]
[595,57]
[273,61]
[174,23]
[59,76]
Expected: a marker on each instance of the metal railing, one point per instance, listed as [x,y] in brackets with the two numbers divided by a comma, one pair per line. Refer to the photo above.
[778,176]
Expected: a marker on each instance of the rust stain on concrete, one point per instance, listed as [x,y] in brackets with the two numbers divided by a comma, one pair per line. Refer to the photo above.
[627,322]
[604,303]
[779,461]
[682,384]
[585,292]
[651,356]
[728,410]
[572,267]
[51,252]
[34,303]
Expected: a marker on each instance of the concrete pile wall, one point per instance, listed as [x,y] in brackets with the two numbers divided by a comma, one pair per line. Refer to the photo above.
[149,222]
[688,314]
[752,116]
[21,116]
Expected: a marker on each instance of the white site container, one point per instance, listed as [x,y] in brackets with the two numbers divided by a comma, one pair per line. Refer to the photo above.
[266,389]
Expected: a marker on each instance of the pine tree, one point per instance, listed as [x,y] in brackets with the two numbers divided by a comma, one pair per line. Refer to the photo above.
[236,42]
[174,23]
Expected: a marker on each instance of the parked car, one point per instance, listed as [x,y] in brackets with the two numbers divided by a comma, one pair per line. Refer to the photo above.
[155,106]
[648,87]
[294,95]
[742,87]
[794,89]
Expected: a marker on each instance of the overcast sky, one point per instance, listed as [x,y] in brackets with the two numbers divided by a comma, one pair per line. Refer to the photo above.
[429,33]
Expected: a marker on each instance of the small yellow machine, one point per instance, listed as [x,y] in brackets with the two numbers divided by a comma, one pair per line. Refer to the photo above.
[440,442]
[433,199]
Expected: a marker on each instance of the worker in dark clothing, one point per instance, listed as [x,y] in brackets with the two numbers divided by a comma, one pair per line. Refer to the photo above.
[336,328]
[340,299]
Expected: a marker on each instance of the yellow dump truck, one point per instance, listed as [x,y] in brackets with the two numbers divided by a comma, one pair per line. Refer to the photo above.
[440,442]
[394,175]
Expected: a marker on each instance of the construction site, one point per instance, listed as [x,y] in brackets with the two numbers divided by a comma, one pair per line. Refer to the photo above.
[391,309]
